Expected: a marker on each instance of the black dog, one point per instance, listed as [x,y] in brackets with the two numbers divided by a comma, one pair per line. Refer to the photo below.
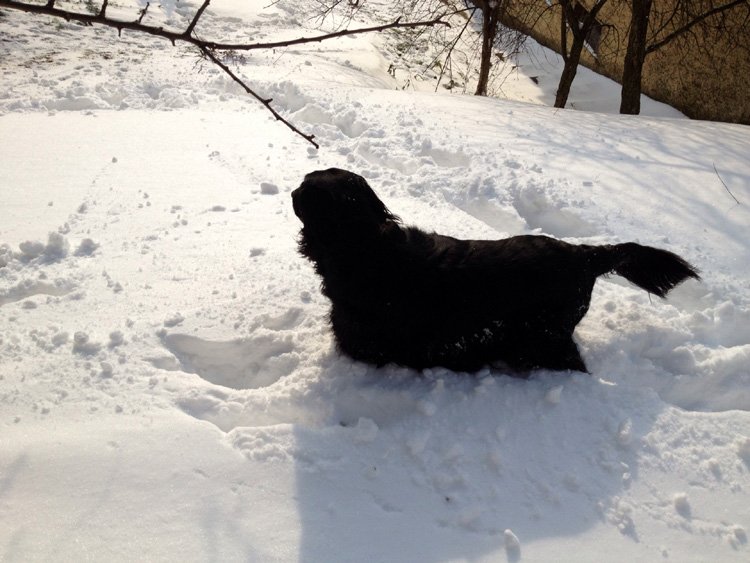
[401,295]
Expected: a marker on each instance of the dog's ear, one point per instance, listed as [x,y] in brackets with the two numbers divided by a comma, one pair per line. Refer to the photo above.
[376,210]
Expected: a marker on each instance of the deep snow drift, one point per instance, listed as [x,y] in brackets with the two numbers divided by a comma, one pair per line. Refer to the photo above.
[168,385]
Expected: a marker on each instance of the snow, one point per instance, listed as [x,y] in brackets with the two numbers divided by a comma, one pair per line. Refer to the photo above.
[169,389]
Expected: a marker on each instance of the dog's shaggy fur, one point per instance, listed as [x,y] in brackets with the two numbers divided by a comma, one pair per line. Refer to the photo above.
[401,295]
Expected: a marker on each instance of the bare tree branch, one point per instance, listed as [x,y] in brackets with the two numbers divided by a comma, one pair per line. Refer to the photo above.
[397,24]
[265,101]
[692,23]
[450,49]
[723,183]
[198,14]
[143,13]
[207,48]
[174,36]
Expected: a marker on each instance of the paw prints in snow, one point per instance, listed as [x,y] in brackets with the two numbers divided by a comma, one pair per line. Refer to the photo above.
[347,122]
[246,363]
[412,158]
[443,157]
[29,288]
[539,212]
[35,254]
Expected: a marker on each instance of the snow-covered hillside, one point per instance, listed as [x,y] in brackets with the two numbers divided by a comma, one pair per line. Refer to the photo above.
[168,385]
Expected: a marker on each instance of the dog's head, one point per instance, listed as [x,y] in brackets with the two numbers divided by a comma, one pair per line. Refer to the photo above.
[335,205]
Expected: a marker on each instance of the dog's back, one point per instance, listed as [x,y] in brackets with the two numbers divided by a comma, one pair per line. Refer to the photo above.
[402,295]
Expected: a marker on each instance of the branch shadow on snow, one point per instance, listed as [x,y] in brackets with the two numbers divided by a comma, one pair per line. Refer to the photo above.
[656,155]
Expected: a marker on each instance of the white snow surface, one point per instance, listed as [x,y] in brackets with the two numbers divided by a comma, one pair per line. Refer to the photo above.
[169,388]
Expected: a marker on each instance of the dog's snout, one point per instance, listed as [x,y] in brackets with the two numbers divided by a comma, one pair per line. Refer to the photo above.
[311,202]
[296,201]
[296,193]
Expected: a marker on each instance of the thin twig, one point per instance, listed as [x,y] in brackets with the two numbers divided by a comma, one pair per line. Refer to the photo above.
[725,185]
[396,24]
[450,50]
[143,13]
[265,101]
[198,14]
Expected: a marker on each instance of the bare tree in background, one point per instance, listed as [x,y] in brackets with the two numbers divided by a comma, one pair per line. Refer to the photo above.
[494,35]
[490,21]
[214,51]
[584,28]
[652,27]
[635,56]
[455,53]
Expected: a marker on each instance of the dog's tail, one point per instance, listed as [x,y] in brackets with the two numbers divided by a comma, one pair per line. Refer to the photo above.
[655,270]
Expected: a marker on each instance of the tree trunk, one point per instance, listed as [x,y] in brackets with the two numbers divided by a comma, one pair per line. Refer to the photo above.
[580,31]
[489,31]
[630,102]
[569,72]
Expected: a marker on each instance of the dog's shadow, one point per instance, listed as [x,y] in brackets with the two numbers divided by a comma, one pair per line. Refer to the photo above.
[443,465]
